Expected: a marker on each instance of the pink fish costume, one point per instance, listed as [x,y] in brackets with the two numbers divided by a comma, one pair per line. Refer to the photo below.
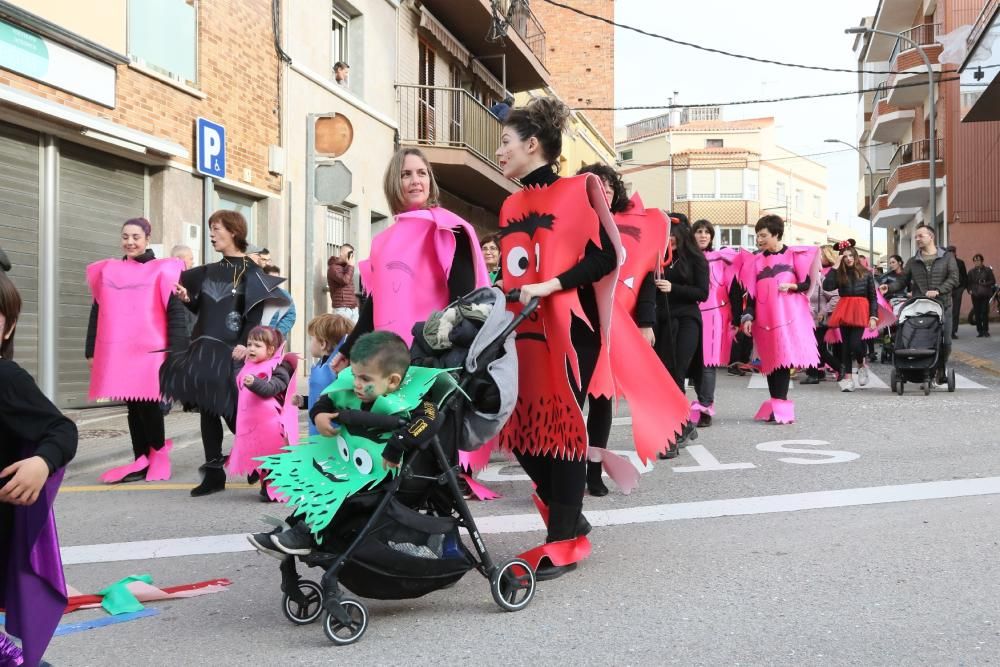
[716,317]
[782,322]
[264,425]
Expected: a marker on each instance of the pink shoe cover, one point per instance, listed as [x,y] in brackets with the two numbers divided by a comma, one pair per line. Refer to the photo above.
[784,411]
[480,491]
[116,474]
[159,463]
[697,410]
[766,411]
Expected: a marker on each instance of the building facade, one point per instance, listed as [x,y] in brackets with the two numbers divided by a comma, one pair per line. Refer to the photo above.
[729,172]
[98,125]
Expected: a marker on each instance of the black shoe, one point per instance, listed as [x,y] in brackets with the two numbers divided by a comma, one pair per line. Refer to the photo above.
[671,453]
[213,480]
[296,541]
[734,370]
[137,476]
[262,543]
[253,477]
[705,419]
[583,526]
[812,379]
[550,571]
[689,433]
[595,485]
[980,335]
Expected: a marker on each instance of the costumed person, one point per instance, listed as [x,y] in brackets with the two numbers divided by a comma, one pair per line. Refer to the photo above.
[716,321]
[319,476]
[778,280]
[135,321]
[426,259]
[658,409]
[490,245]
[326,334]
[229,298]
[266,419]
[856,310]
[822,302]
[36,444]
[680,290]
[560,245]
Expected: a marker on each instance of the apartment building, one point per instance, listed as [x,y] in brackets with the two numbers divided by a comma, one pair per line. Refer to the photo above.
[894,129]
[98,113]
[729,172]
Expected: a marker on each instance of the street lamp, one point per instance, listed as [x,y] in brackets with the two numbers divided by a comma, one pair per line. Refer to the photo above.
[933,112]
[871,184]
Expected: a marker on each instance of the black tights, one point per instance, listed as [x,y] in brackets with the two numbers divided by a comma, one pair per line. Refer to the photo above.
[852,348]
[677,341]
[211,434]
[145,426]
[778,381]
[599,422]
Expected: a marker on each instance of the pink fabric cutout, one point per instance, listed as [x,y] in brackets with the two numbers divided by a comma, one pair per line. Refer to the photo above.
[480,491]
[619,468]
[159,463]
[477,460]
[697,410]
[765,411]
[716,311]
[144,592]
[117,474]
[408,267]
[131,326]
[564,552]
[784,411]
[263,425]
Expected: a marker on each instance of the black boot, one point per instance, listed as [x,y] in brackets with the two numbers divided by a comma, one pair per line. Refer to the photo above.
[672,452]
[213,479]
[595,485]
[564,524]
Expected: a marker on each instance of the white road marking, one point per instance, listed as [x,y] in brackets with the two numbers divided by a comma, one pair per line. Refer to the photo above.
[759,381]
[962,382]
[874,382]
[519,523]
[818,456]
[707,462]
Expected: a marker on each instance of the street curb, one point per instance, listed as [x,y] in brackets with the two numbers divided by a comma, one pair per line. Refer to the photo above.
[974,361]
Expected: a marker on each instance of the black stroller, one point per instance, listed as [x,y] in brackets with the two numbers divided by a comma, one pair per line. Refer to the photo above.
[917,346]
[401,540]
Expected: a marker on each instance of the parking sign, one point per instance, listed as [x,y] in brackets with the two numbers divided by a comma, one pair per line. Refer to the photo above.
[211,148]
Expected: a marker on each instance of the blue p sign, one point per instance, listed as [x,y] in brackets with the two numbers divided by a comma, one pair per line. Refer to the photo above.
[211,148]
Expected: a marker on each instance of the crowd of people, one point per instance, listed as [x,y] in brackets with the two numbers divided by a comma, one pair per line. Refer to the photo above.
[633,303]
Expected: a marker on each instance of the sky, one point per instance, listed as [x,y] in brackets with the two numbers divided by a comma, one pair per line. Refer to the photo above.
[648,70]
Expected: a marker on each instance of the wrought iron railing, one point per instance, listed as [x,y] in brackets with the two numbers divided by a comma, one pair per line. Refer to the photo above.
[880,188]
[451,117]
[924,35]
[917,151]
[526,24]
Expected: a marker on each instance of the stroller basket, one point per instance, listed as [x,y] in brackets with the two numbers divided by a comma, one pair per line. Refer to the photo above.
[406,555]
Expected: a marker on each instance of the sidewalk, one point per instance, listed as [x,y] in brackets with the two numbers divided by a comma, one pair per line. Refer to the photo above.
[981,353]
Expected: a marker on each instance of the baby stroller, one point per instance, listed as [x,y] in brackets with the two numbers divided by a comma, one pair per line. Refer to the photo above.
[401,540]
[917,346]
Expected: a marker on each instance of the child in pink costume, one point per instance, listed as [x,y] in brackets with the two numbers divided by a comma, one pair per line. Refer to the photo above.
[266,417]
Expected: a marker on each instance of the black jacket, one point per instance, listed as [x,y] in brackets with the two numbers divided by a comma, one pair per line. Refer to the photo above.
[963,274]
[981,280]
[27,416]
[943,277]
[276,385]
[865,287]
[178,331]
[688,278]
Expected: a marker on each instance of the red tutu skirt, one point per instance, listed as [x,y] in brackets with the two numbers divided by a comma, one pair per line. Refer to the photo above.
[851,311]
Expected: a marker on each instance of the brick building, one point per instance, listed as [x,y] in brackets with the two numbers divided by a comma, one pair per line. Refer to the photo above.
[97,125]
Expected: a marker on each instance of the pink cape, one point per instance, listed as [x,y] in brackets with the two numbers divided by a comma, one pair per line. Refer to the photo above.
[716,311]
[783,323]
[131,326]
[407,271]
[263,425]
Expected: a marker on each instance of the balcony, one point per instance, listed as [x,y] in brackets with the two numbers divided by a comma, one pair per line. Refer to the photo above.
[460,137]
[909,71]
[909,181]
[523,46]
[882,215]
[888,123]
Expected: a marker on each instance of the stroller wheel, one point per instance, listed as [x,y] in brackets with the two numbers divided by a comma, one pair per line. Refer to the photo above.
[513,585]
[341,634]
[951,379]
[926,386]
[308,609]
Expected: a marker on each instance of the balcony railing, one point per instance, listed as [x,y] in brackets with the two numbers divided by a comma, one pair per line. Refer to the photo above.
[448,117]
[526,24]
[918,151]
[881,93]
[924,35]
[880,188]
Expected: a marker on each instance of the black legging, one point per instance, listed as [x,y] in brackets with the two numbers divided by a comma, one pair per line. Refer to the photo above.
[599,421]
[677,341]
[145,426]
[852,348]
[211,434]
[777,383]
[826,356]
[981,313]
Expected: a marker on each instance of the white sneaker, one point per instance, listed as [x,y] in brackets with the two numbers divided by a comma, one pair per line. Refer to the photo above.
[863,375]
[847,384]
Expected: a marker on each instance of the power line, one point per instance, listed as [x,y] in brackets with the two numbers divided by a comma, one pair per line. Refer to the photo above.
[722,52]
[724,162]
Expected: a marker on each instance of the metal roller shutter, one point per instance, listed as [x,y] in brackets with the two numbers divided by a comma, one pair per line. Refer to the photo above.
[97,193]
[19,154]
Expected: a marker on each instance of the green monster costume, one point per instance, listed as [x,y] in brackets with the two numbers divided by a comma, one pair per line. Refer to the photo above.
[319,475]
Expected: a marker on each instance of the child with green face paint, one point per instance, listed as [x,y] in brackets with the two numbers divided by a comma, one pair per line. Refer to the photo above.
[319,476]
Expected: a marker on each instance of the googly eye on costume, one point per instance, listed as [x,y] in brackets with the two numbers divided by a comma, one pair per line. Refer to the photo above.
[517,261]
[345,452]
[363,461]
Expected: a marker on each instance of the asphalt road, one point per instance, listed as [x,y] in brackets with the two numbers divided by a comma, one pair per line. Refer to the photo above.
[881,550]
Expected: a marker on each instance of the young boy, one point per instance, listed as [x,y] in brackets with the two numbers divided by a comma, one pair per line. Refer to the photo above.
[321,475]
[326,333]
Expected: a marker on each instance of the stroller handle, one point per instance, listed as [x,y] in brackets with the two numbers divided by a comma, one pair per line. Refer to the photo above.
[514,296]
[366,419]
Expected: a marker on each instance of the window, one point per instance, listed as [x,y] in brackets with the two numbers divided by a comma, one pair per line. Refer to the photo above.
[731,184]
[817,206]
[426,58]
[339,36]
[338,225]
[163,36]
[730,237]
[680,185]
[779,194]
[702,184]
[625,156]
[713,143]
[800,201]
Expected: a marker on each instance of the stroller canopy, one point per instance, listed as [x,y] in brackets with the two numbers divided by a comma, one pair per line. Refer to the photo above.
[917,306]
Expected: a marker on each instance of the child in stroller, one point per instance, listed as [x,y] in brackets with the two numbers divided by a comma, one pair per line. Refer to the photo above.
[375,542]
